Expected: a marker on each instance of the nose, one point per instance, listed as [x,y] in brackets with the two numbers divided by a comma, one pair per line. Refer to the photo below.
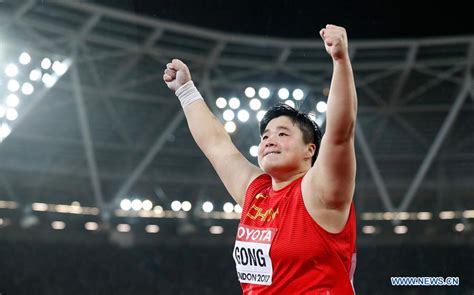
[269,143]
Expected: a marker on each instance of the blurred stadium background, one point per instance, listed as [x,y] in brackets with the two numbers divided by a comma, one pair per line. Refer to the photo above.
[103,191]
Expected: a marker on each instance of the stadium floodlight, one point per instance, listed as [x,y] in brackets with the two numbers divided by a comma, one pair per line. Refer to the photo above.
[137,205]
[290,103]
[176,206]
[24,58]
[35,75]
[254,151]
[221,102]
[255,104]
[228,207]
[264,92]
[298,94]
[186,206]
[11,70]
[147,205]
[321,107]
[237,208]
[243,116]
[216,229]
[152,228]
[126,204]
[12,100]
[11,114]
[58,225]
[46,63]
[260,115]
[207,207]
[249,92]
[234,103]
[228,115]
[283,93]
[27,88]
[13,85]
[230,127]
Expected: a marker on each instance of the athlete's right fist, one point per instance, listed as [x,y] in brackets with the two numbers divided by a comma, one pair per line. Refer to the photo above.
[176,74]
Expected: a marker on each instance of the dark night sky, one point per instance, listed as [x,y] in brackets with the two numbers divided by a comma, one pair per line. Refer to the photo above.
[302,19]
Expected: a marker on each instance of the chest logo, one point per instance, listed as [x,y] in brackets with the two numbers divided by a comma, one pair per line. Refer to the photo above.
[257,212]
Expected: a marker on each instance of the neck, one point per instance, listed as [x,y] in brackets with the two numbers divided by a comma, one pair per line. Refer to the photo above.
[281,181]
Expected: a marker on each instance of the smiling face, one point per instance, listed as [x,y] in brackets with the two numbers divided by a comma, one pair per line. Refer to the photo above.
[282,149]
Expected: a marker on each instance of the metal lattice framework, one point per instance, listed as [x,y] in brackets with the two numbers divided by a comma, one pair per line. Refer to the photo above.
[110,127]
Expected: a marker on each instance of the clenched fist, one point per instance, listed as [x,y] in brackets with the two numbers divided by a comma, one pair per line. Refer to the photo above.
[335,41]
[176,74]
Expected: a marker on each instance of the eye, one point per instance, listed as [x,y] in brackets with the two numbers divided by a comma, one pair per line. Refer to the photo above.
[264,137]
[282,134]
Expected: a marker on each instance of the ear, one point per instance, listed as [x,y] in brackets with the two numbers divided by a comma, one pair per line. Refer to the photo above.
[310,150]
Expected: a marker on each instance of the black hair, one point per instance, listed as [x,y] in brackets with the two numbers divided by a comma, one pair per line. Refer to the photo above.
[311,131]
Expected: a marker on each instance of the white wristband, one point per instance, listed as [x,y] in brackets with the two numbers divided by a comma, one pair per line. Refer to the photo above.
[188,93]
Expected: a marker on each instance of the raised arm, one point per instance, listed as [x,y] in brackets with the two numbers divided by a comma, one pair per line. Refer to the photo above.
[330,182]
[234,170]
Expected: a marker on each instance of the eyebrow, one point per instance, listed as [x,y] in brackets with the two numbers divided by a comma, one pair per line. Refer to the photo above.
[278,127]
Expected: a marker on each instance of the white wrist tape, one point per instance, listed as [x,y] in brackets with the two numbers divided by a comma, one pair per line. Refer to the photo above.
[188,93]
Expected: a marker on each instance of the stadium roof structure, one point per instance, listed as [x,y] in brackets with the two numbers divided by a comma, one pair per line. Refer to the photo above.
[108,128]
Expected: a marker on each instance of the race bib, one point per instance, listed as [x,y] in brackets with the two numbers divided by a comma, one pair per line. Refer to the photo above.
[252,254]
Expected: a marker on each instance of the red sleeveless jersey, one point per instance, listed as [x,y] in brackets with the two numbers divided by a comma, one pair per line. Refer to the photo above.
[280,249]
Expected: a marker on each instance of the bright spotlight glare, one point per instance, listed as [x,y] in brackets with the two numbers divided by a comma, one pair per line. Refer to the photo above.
[283,93]
[11,70]
[48,80]
[207,207]
[230,127]
[237,209]
[298,94]
[147,205]
[260,115]
[234,103]
[290,103]
[4,131]
[221,102]
[228,207]
[46,63]
[176,206]
[254,150]
[24,58]
[228,115]
[255,104]
[321,107]
[249,92]
[243,116]
[186,206]
[35,75]
[59,67]
[27,88]
[126,204]
[136,205]
[264,92]
[12,114]
[12,100]
[13,85]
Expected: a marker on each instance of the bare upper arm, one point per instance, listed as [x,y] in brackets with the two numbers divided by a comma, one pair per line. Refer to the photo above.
[234,170]
[329,185]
